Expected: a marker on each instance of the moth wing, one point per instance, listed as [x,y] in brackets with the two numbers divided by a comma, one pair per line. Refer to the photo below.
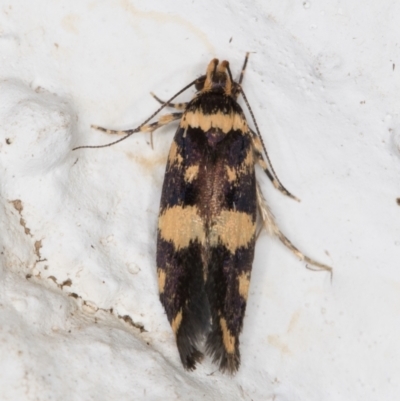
[231,250]
[180,252]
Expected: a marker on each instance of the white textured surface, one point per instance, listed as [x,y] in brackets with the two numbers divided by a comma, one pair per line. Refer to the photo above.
[323,81]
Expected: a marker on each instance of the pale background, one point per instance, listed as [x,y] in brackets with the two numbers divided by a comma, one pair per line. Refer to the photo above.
[323,82]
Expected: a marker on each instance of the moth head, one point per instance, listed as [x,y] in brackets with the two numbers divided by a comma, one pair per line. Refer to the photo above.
[218,78]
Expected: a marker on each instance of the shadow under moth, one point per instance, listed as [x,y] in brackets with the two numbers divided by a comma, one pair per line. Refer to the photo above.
[210,206]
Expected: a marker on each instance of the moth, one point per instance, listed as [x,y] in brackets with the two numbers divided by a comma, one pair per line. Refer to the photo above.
[209,210]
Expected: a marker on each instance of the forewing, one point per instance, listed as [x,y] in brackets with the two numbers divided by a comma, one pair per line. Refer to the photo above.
[180,250]
[231,248]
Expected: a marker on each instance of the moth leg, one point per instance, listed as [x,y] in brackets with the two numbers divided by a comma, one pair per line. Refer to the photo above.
[178,106]
[262,163]
[272,229]
[244,67]
[164,120]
